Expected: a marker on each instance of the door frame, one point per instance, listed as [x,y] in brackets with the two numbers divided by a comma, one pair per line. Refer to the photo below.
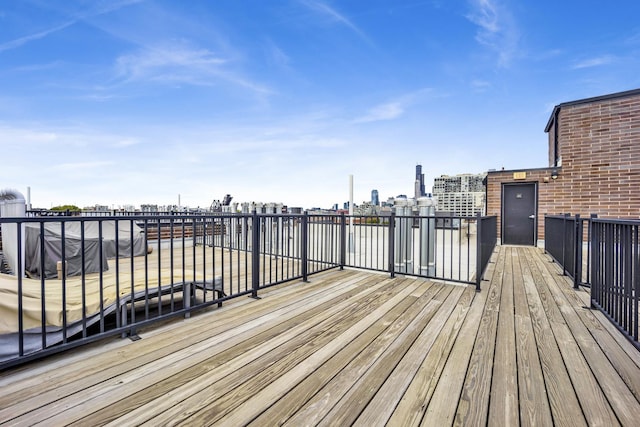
[535,209]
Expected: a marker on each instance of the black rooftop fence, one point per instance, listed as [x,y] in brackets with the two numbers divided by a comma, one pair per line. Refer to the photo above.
[78,279]
[603,254]
[615,272]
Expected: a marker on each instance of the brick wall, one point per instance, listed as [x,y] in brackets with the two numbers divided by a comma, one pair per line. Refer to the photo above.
[599,145]
[599,152]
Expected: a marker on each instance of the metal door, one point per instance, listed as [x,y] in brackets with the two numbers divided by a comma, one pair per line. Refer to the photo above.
[519,207]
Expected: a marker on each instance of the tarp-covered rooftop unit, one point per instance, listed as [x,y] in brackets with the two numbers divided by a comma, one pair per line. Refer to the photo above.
[128,245]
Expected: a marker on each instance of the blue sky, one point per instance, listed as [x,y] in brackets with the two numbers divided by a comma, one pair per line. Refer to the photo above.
[128,102]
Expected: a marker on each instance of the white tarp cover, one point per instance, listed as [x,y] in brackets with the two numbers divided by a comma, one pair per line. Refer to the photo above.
[129,244]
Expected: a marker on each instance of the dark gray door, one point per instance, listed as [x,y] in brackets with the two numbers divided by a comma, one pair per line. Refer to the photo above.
[519,214]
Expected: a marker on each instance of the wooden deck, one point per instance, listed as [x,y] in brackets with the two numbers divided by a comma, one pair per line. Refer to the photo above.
[353,347]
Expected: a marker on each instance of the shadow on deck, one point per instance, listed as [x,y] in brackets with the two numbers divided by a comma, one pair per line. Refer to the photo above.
[355,347]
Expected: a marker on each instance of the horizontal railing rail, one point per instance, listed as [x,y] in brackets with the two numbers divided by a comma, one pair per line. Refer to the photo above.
[77,279]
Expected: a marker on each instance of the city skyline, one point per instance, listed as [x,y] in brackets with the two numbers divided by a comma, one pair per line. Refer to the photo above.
[134,102]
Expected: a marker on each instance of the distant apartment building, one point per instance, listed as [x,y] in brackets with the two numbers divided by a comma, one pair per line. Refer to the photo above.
[462,195]
[594,168]
[375,198]
[147,208]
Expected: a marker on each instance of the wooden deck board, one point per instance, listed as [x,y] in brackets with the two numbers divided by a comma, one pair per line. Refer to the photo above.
[503,406]
[354,347]
[563,401]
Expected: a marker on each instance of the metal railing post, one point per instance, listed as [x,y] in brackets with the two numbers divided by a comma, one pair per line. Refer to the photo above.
[564,244]
[343,241]
[479,257]
[392,252]
[305,244]
[589,254]
[255,254]
[577,267]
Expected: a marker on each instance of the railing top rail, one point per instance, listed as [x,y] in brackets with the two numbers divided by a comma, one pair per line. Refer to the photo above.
[616,221]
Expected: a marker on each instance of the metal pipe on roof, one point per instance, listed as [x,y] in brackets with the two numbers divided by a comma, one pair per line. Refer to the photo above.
[13,205]
[427,212]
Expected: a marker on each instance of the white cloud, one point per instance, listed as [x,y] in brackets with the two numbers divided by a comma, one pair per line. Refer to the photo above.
[480,85]
[109,7]
[325,10]
[393,109]
[594,62]
[81,166]
[179,63]
[497,29]
[388,111]
[163,61]
[35,36]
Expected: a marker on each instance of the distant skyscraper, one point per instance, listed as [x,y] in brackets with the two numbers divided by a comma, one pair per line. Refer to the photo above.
[375,201]
[419,183]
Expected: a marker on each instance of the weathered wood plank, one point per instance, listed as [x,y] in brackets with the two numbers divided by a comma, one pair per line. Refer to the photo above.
[170,365]
[231,315]
[411,408]
[351,394]
[248,410]
[625,405]
[381,406]
[521,307]
[594,403]
[532,397]
[441,411]
[623,363]
[565,408]
[231,392]
[353,357]
[503,406]
[473,405]
[193,380]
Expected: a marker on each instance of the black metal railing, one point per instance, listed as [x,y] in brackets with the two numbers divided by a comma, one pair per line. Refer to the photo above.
[567,241]
[82,278]
[487,239]
[602,254]
[451,248]
[615,272]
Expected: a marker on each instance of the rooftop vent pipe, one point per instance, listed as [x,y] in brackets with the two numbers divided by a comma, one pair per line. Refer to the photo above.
[13,205]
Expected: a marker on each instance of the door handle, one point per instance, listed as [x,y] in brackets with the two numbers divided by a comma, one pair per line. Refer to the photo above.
[532,216]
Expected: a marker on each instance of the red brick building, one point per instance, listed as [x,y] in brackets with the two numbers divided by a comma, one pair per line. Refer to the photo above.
[594,167]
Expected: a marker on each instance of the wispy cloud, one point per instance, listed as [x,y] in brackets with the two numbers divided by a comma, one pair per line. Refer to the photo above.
[180,63]
[107,8]
[326,10]
[388,111]
[127,142]
[393,109]
[594,62]
[160,62]
[81,166]
[480,85]
[31,37]
[276,55]
[496,29]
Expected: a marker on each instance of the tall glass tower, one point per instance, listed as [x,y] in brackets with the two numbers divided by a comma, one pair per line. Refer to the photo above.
[420,191]
[374,198]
